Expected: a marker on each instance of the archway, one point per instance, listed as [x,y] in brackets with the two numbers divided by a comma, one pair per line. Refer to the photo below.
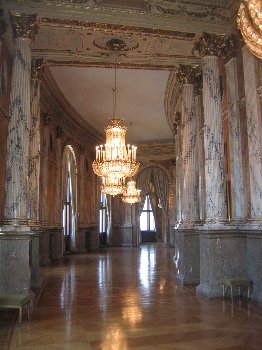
[69,181]
[152,216]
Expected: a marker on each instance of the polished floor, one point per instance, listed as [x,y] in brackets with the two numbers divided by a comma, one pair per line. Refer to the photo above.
[127,298]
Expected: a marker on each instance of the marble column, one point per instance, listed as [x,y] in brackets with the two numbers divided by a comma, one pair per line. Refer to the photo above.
[17,208]
[34,144]
[237,189]
[201,152]
[190,184]
[254,126]
[177,132]
[209,47]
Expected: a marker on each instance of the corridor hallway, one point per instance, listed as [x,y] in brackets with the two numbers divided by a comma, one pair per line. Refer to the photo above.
[127,298]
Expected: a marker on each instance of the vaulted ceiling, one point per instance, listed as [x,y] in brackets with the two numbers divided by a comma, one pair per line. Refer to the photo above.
[158,35]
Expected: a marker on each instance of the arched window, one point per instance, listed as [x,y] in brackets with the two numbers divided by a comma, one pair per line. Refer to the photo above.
[69,216]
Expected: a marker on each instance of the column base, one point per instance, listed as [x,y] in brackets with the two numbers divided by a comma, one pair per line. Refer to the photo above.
[187,257]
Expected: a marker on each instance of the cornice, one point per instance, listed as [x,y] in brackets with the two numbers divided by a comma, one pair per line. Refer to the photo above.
[165,15]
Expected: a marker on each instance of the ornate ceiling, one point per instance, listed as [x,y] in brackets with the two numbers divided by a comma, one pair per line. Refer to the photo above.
[158,35]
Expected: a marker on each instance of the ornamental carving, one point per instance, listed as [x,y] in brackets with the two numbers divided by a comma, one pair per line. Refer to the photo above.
[37,66]
[207,45]
[215,45]
[187,74]
[24,25]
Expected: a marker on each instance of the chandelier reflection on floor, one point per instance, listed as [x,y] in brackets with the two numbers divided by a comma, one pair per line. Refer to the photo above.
[250,24]
[115,160]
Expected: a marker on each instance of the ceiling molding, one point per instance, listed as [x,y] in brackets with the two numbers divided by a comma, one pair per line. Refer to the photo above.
[186,16]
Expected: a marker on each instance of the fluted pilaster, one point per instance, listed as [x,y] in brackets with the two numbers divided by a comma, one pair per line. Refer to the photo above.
[17,207]
[237,190]
[253,111]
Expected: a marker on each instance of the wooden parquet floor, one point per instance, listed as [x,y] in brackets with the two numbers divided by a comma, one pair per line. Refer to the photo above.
[127,298]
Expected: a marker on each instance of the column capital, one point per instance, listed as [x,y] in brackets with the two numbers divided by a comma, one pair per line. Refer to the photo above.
[59,132]
[24,25]
[37,67]
[187,74]
[213,45]
[3,24]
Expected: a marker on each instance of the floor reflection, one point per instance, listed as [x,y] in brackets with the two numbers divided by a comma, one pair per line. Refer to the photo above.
[127,298]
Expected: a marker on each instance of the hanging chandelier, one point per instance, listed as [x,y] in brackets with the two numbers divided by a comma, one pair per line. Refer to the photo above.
[250,24]
[112,186]
[131,194]
[115,160]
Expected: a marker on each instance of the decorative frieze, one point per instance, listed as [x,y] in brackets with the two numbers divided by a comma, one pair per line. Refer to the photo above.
[24,25]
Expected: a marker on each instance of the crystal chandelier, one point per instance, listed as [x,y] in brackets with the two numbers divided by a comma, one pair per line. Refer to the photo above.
[250,24]
[112,186]
[131,194]
[115,160]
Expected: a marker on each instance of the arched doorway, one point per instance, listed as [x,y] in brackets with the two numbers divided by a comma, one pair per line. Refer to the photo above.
[153,215]
[69,217]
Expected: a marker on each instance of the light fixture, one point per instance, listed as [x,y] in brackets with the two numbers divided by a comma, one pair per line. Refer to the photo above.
[112,186]
[131,194]
[115,160]
[250,24]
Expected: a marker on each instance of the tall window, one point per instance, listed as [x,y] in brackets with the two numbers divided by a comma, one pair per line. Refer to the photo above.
[67,213]
[147,221]
[102,219]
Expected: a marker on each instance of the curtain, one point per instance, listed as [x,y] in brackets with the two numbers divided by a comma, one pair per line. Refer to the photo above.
[161,184]
[143,183]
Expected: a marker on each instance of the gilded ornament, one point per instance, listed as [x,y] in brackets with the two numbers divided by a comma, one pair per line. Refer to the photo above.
[24,25]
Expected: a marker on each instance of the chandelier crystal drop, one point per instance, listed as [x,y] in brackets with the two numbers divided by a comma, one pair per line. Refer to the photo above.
[250,24]
[130,194]
[112,186]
